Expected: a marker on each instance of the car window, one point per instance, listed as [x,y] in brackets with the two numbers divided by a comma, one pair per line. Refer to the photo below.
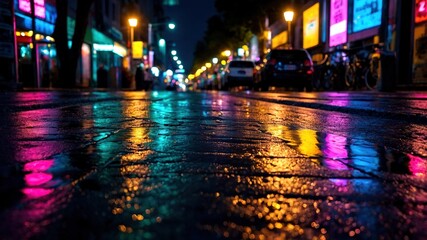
[241,64]
[289,54]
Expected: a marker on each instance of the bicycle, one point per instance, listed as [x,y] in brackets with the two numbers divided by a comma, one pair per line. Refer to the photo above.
[335,73]
[373,72]
[356,69]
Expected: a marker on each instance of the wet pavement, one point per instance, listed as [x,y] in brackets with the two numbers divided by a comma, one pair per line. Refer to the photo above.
[213,165]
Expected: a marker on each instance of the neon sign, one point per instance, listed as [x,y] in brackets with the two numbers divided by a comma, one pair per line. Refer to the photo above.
[366,14]
[311,26]
[420,11]
[338,22]
[39,7]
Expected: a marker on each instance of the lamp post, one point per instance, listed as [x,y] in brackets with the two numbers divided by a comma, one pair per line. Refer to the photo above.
[289,15]
[150,36]
[133,22]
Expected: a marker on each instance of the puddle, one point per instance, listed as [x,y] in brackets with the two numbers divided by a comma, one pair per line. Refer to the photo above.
[340,152]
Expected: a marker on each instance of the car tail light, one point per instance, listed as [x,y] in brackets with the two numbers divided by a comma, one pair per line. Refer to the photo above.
[307,63]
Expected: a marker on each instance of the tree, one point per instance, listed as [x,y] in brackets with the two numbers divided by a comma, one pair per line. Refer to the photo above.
[68,58]
[236,22]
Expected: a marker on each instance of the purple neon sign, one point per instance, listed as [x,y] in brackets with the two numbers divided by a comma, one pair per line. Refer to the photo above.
[39,7]
[338,22]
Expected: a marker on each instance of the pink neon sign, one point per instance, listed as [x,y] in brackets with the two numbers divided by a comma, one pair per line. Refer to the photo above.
[39,7]
[420,11]
[338,22]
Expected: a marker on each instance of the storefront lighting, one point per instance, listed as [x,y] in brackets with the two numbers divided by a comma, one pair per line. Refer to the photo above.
[240,52]
[226,53]
[119,50]
[39,37]
[103,47]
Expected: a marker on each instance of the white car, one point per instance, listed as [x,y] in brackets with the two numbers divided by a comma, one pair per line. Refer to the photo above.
[238,73]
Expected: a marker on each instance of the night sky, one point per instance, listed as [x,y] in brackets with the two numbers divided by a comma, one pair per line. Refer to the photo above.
[190,17]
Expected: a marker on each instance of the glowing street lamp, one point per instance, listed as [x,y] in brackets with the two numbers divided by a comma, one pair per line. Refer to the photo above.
[226,53]
[289,16]
[133,22]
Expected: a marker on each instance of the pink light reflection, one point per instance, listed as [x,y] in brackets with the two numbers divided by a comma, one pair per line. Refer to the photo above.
[335,146]
[35,179]
[36,192]
[38,166]
[417,166]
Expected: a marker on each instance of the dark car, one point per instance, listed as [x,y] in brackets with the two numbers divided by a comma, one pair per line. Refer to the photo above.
[291,68]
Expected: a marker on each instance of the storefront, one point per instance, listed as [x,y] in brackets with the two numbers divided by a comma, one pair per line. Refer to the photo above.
[35,45]
[111,55]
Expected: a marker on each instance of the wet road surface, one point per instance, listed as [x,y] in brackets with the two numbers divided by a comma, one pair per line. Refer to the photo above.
[212,165]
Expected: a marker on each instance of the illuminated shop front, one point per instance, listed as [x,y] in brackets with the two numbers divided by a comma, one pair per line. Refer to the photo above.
[367,20]
[111,55]
[420,43]
[36,51]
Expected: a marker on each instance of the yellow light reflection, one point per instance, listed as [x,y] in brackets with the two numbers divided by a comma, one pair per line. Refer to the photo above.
[133,169]
[309,145]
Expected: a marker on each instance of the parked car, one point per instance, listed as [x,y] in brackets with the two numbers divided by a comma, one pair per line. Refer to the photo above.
[287,68]
[238,73]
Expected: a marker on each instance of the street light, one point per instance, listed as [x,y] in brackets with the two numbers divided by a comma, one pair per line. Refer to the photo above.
[132,23]
[150,37]
[289,15]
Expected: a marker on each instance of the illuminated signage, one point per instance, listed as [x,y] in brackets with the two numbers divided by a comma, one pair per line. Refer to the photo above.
[137,49]
[39,7]
[366,14]
[116,48]
[338,22]
[420,11]
[311,26]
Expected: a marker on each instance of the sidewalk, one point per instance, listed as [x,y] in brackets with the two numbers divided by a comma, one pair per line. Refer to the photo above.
[411,106]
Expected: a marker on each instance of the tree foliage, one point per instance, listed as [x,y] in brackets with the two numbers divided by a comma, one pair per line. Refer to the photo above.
[236,22]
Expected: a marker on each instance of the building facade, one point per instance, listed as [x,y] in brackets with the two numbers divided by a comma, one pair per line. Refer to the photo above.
[322,26]
[34,57]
